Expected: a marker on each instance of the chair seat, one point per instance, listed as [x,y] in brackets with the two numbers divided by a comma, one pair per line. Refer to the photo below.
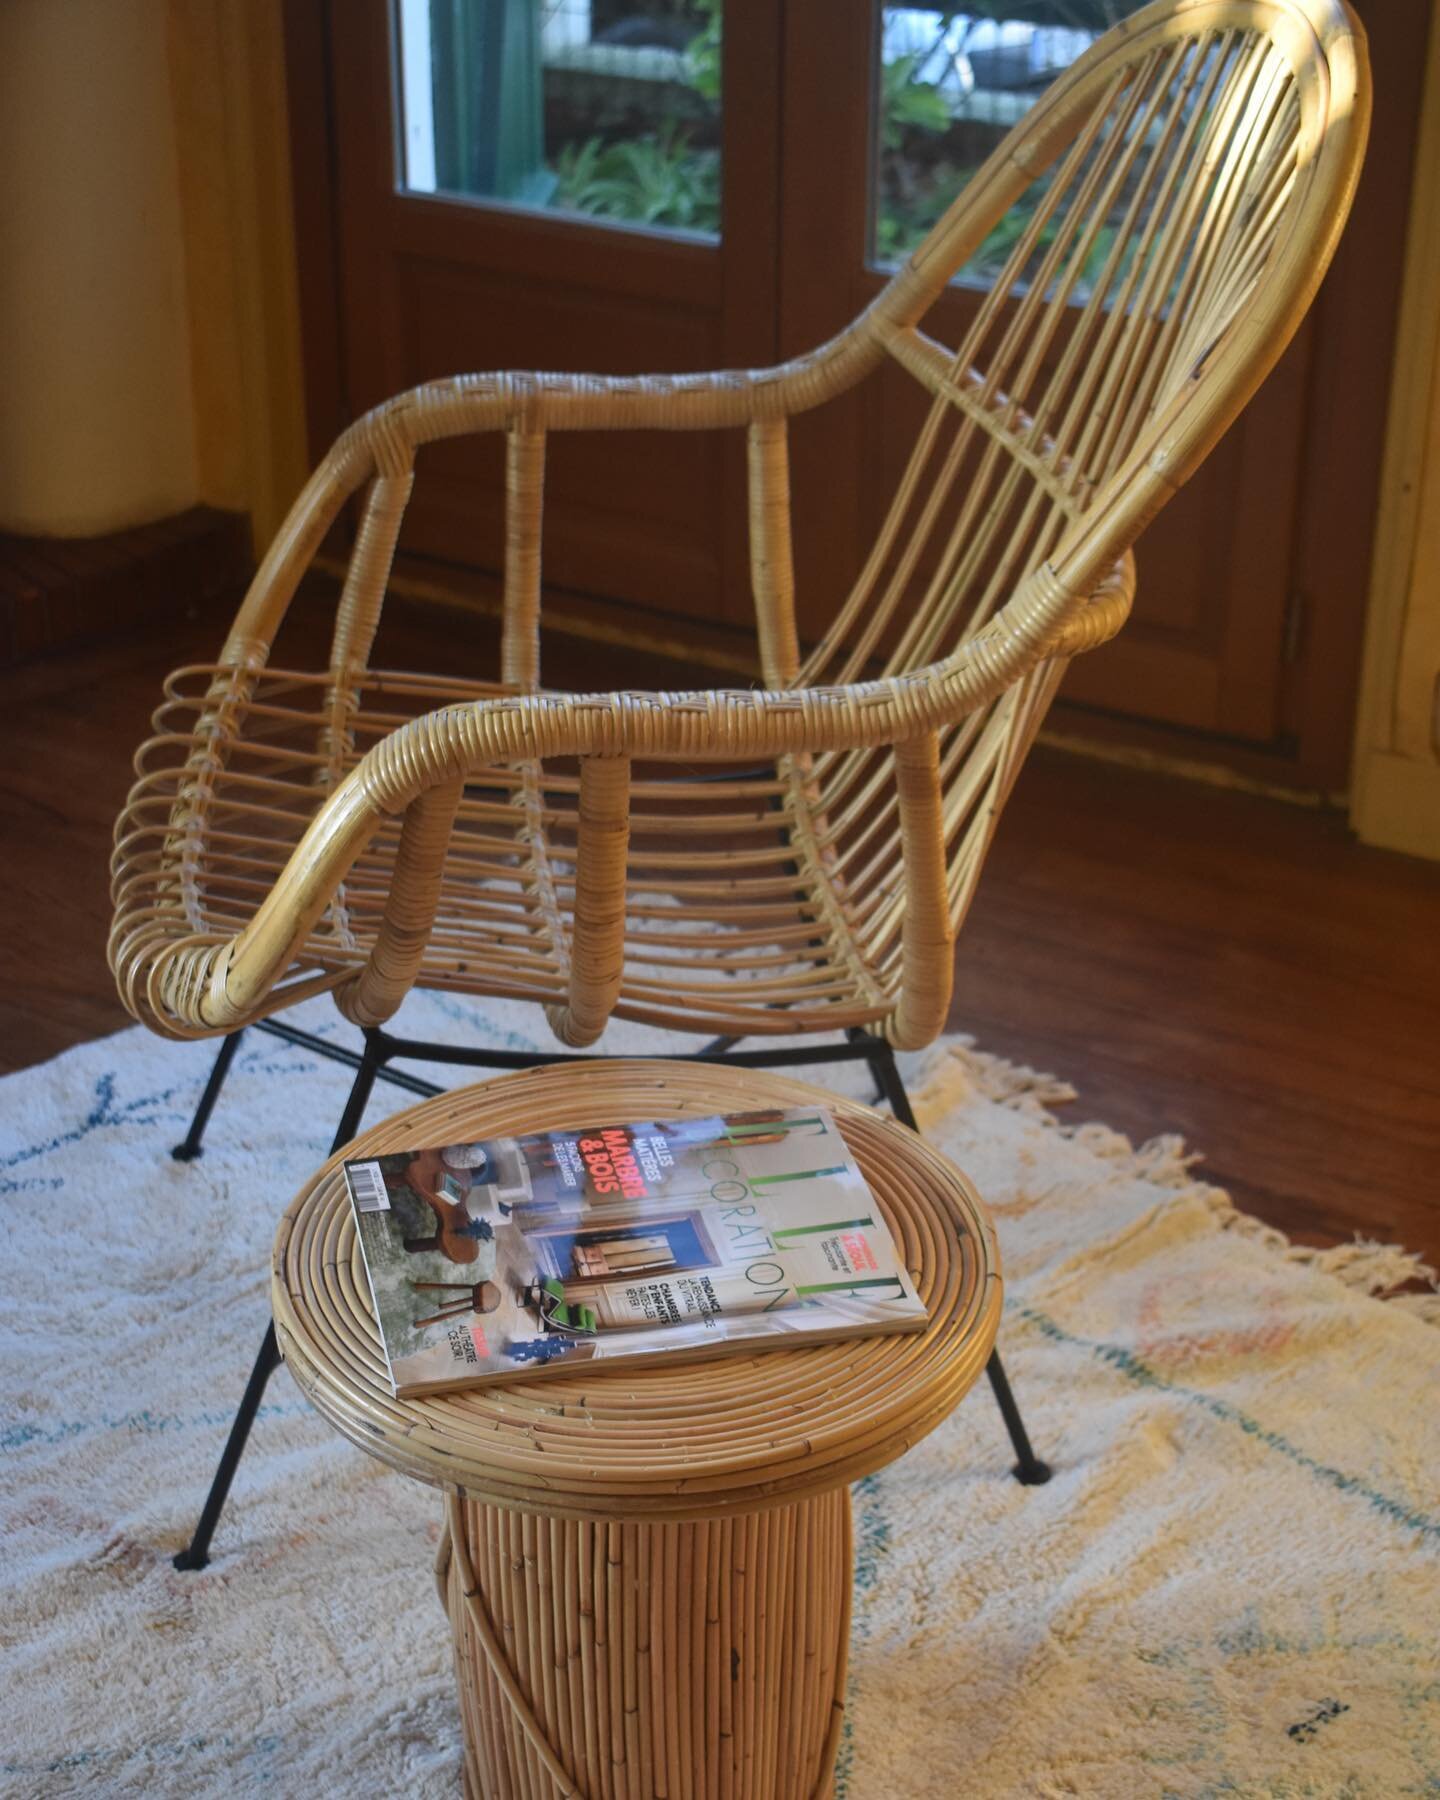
[733,924]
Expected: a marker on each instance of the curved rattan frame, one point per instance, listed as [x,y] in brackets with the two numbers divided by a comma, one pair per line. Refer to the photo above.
[1244,121]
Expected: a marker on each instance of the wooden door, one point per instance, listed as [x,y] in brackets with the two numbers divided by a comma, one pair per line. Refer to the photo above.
[473,142]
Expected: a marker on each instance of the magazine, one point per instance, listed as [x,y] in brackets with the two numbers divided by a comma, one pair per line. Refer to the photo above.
[677,1238]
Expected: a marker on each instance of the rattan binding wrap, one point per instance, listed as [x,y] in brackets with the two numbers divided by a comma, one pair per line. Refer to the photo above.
[361,830]
[647,1571]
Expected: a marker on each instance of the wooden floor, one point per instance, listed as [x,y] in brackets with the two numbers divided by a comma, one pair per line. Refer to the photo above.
[1193,960]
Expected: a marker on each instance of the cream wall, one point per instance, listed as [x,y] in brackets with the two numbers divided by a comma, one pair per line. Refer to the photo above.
[149,331]
[227,74]
[97,424]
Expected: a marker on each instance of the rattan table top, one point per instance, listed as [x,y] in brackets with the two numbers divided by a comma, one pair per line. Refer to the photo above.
[733,1434]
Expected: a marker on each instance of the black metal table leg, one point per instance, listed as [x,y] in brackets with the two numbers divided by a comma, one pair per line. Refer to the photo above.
[360,1090]
[197,1552]
[192,1145]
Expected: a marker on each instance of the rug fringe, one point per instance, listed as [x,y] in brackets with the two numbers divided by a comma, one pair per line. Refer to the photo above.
[1008,1084]
[1375,1268]
[1366,1264]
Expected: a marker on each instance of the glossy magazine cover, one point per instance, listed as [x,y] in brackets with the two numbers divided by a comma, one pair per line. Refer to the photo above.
[678,1238]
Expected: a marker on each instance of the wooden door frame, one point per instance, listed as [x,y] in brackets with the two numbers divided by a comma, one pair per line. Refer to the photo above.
[317,224]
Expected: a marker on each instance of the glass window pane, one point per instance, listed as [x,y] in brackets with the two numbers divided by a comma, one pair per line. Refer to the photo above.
[608,108]
[951,85]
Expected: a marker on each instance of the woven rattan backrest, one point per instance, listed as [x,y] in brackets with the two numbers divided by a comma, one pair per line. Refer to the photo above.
[1151,219]
[1195,166]
[1188,178]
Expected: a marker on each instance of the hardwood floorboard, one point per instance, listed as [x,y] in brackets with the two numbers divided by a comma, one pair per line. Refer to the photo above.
[1230,968]
[61,592]
[1234,969]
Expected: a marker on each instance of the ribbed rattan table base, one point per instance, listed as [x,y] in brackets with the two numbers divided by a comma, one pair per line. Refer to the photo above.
[647,1570]
[677,1659]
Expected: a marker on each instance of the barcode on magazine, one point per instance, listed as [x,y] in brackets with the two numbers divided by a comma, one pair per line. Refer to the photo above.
[368,1186]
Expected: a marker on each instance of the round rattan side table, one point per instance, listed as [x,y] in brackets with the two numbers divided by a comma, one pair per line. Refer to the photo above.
[647,1573]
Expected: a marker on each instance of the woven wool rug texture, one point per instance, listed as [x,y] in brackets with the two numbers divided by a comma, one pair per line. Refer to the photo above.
[1230,1587]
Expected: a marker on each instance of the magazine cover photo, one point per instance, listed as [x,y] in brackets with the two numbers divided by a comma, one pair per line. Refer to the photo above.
[500,1258]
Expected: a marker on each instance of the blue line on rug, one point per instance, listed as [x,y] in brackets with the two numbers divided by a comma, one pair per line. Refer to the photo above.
[144,1109]
[460,1012]
[169,1751]
[103,1112]
[1143,1375]
[146,1423]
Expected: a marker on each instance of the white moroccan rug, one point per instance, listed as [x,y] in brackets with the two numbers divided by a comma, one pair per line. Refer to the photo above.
[1231,1586]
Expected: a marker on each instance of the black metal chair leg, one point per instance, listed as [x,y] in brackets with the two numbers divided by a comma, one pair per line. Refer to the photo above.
[886,1071]
[192,1145]
[360,1090]
[1029,1470]
[197,1553]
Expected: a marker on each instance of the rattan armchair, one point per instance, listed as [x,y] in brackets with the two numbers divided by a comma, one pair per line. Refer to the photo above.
[363,831]
[796,856]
